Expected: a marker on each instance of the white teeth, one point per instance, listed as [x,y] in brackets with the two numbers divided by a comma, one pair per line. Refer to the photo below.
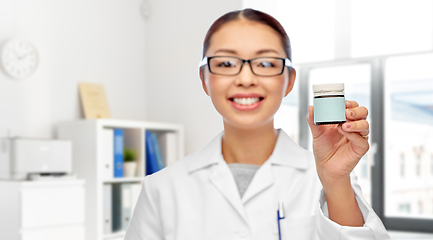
[246,101]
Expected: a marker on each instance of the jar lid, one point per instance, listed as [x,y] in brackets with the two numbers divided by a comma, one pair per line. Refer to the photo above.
[331,87]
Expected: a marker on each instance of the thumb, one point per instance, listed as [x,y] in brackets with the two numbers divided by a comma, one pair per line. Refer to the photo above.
[316,130]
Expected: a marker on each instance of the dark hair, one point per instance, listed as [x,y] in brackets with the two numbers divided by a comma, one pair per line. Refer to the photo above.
[252,15]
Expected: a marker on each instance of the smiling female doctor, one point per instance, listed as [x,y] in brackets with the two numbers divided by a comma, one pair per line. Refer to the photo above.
[234,186]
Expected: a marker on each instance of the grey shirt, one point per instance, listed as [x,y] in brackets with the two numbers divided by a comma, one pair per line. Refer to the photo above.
[243,174]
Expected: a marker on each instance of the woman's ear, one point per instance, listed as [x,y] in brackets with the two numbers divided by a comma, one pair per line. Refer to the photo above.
[201,73]
[203,83]
[292,77]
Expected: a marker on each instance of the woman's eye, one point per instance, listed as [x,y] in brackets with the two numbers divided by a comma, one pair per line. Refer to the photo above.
[226,64]
[266,64]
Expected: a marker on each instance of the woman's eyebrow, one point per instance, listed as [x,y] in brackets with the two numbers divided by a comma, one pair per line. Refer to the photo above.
[226,51]
[266,51]
[234,52]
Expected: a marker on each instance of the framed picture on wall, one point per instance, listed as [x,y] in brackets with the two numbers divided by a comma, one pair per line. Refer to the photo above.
[93,101]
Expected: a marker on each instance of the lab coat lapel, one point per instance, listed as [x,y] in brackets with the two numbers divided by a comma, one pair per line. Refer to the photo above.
[220,175]
[286,153]
[262,180]
[222,178]
[289,154]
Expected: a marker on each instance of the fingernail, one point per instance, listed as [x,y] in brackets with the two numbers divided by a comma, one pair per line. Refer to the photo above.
[349,103]
[348,125]
[350,112]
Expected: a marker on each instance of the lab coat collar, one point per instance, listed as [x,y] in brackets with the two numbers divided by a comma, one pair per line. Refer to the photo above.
[209,155]
[286,153]
[220,175]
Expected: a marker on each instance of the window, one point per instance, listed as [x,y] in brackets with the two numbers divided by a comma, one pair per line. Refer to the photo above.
[401,121]
[408,128]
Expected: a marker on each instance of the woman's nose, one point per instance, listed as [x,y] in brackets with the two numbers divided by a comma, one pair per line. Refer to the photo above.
[246,77]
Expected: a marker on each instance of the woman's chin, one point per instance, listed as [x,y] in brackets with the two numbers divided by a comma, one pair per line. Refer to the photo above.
[248,123]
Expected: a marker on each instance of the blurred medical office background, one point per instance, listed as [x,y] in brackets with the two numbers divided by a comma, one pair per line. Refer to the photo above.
[382,51]
[146,54]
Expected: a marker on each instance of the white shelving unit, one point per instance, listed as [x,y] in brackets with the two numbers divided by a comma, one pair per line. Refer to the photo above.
[88,160]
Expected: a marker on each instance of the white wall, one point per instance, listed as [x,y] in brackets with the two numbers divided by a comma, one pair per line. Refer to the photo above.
[99,41]
[174,38]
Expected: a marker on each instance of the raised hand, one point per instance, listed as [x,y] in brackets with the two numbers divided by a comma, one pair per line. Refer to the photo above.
[338,148]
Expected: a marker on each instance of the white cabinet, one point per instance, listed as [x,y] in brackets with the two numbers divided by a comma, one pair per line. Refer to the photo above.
[63,233]
[51,206]
[38,210]
[91,157]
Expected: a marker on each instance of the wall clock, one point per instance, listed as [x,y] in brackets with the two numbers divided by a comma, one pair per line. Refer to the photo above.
[19,58]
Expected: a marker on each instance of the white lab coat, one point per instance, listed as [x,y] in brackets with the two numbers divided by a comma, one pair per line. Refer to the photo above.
[196,198]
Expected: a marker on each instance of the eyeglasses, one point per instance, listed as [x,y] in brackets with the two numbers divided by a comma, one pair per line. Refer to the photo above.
[231,66]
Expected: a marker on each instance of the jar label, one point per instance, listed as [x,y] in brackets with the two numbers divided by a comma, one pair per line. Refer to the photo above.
[331,109]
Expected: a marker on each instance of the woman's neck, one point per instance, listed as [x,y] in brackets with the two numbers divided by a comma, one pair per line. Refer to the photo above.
[247,145]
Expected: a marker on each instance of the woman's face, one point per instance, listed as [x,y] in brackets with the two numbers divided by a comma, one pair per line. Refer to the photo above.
[246,40]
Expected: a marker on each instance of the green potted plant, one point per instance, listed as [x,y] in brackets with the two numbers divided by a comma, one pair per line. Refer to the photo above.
[129,162]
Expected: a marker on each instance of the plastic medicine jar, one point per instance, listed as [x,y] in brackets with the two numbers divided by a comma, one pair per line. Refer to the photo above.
[329,104]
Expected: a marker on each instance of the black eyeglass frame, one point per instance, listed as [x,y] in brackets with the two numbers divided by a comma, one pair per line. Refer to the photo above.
[287,63]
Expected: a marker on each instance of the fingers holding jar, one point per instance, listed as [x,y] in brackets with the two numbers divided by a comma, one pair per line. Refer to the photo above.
[356,119]
[354,112]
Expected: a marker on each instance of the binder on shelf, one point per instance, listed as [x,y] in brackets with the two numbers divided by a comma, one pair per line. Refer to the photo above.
[116,208]
[107,154]
[126,205]
[135,193]
[157,151]
[107,209]
[152,165]
[121,206]
[118,153]
[169,147]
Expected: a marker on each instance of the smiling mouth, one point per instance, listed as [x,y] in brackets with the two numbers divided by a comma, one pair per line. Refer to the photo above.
[246,101]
